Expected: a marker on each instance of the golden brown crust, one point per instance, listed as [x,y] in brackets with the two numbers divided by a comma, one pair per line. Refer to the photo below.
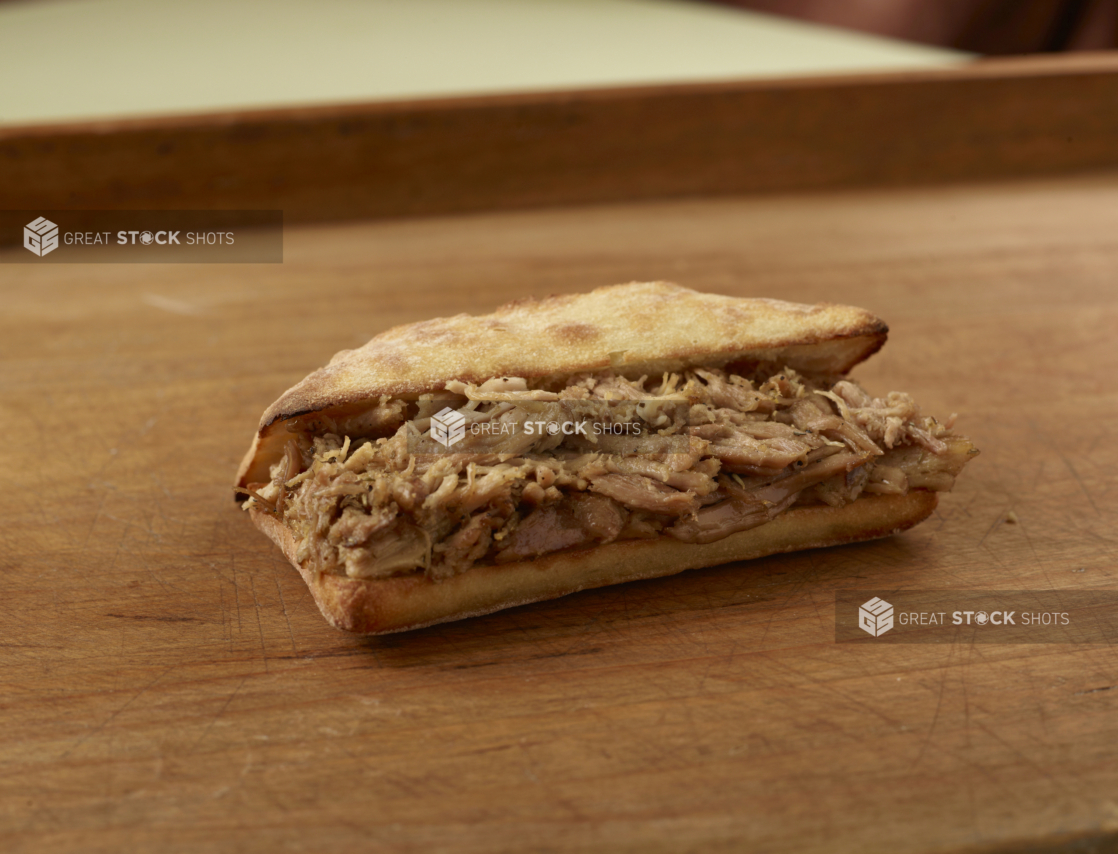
[411,602]
[639,328]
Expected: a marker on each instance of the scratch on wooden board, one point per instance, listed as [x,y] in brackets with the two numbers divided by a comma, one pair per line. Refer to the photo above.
[283,605]
[259,622]
[827,687]
[366,766]
[1020,754]
[1095,690]
[939,705]
[1029,541]
[1109,544]
[972,808]
[111,717]
[966,707]
[795,585]
[1039,475]
[999,520]
[286,617]
[162,619]
[248,763]
[1036,693]
[1009,567]
[236,590]
[175,306]
[220,712]
[224,621]
[96,517]
[1063,458]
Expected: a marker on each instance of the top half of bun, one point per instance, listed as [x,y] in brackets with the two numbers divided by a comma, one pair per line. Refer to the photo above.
[638,328]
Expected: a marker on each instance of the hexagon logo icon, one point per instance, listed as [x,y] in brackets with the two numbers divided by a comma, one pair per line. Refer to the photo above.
[40,236]
[875,617]
[448,427]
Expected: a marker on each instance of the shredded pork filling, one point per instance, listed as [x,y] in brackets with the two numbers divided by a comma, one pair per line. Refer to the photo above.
[719,453]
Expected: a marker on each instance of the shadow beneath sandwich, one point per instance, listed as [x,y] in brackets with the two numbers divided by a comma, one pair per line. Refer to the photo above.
[750,606]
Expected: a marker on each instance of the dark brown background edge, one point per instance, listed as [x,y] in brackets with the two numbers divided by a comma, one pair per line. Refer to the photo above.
[988,119]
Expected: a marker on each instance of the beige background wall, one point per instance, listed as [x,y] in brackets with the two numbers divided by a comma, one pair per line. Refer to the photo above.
[80,59]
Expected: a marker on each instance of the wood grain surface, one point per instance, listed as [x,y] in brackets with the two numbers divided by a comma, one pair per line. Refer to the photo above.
[997,118]
[168,684]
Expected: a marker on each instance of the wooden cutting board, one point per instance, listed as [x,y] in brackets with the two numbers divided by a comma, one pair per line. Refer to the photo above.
[168,682]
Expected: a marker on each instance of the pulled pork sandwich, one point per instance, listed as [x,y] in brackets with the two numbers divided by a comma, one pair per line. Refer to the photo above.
[462,465]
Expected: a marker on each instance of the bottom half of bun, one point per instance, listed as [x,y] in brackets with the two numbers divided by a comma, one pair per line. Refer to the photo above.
[381,606]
